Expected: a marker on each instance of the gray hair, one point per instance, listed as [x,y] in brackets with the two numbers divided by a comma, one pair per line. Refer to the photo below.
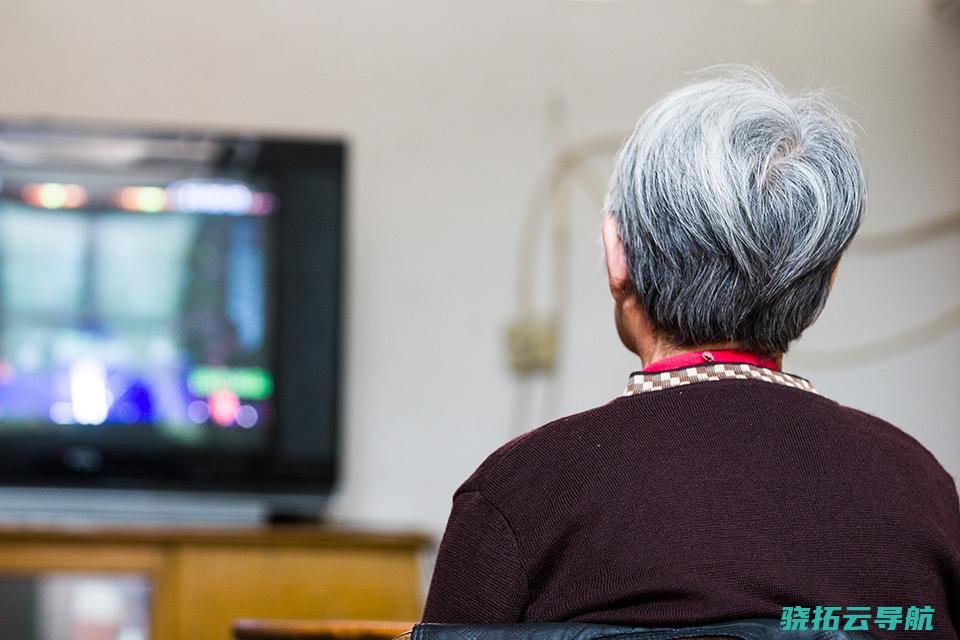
[734,202]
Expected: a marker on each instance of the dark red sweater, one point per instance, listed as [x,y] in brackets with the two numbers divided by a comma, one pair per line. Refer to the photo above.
[707,502]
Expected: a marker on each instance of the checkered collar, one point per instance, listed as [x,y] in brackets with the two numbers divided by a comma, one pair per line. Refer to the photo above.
[643,382]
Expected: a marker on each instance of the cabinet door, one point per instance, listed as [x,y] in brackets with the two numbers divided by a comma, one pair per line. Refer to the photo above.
[218,585]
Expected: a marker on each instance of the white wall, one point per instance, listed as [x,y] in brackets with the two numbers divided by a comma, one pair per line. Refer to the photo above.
[445,105]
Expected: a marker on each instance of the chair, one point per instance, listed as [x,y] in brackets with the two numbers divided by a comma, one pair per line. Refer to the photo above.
[753,629]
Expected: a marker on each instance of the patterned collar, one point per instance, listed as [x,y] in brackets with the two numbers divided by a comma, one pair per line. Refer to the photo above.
[641,382]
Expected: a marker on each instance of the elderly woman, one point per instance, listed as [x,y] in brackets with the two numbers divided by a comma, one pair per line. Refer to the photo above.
[718,486]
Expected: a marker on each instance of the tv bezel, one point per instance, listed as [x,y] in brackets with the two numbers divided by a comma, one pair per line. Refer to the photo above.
[266,475]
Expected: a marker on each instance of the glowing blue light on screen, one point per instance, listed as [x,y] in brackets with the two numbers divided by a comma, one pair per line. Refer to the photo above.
[212,196]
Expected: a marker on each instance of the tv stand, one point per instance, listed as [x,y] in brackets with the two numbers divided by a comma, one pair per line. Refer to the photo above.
[201,580]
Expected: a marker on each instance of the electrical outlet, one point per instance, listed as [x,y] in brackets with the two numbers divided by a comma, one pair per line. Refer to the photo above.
[532,344]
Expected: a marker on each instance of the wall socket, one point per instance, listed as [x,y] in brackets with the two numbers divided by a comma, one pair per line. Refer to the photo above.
[532,344]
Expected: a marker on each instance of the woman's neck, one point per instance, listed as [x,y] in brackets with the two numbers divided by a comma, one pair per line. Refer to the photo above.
[640,336]
[657,350]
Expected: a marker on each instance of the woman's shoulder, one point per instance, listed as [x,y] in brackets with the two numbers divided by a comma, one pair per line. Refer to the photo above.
[880,435]
[550,446]
[558,457]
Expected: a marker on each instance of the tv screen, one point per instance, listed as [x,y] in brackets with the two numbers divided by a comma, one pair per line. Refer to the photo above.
[169,308]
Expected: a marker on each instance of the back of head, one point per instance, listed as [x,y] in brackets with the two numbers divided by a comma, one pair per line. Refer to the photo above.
[734,202]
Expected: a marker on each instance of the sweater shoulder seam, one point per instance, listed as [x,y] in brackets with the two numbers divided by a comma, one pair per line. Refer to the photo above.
[510,528]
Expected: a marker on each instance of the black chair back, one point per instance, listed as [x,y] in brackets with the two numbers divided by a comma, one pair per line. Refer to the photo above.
[754,629]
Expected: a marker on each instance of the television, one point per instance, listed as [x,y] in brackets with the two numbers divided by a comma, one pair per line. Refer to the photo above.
[170,309]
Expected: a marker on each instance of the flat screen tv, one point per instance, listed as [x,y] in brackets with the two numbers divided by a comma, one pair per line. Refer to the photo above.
[169,309]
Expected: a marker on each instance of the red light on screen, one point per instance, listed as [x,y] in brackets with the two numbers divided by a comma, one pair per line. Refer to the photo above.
[224,405]
[53,195]
[6,372]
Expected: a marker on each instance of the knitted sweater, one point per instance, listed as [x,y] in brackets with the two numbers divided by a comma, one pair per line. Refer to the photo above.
[703,501]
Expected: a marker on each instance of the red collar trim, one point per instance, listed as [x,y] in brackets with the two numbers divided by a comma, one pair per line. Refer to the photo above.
[696,358]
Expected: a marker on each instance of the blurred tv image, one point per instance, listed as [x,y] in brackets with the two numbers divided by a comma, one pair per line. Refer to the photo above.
[125,317]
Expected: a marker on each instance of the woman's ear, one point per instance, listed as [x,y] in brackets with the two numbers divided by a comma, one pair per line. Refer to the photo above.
[833,276]
[618,273]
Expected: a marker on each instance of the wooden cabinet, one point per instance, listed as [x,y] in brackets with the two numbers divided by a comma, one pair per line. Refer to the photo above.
[203,580]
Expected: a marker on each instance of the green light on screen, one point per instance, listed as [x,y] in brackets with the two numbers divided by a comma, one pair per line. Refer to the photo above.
[151,199]
[249,383]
